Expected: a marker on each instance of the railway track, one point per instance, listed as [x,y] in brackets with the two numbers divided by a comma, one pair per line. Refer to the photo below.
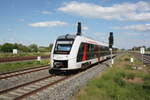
[22,72]
[146,58]
[30,88]
[27,89]
[13,59]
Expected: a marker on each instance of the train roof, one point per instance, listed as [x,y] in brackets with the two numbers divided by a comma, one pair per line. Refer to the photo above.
[67,36]
[88,40]
[91,41]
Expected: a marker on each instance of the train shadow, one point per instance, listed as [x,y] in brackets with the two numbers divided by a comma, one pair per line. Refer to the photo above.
[63,72]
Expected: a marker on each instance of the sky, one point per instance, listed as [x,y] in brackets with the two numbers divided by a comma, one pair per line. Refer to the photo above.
[42,21]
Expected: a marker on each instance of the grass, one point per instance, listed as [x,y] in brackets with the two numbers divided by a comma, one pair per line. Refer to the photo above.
[23,54]
[120,82]
[6,67]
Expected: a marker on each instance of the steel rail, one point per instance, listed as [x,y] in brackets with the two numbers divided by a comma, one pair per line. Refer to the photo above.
[13,59]
[22,70]
[32,92]
[25,84]
[146,58]
[4,76]
[41,88]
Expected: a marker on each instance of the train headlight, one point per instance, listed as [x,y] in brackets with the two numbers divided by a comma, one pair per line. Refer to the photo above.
[60,64]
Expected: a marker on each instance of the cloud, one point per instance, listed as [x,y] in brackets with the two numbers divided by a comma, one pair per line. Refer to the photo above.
[85,28]
[141,27]
[48,24]
[45,12]
[139,11]
[100,36]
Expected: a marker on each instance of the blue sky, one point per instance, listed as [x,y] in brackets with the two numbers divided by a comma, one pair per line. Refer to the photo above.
[41,21]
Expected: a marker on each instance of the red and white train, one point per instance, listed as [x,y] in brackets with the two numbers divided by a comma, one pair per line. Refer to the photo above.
[71,52]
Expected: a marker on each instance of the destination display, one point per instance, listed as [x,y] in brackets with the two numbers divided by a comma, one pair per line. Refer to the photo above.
[64,42]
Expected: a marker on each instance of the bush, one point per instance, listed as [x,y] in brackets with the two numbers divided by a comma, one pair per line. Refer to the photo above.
[0,47]
[130,76]
[7,47]
[126,59]
[33,48]
[148,49]
[120,82]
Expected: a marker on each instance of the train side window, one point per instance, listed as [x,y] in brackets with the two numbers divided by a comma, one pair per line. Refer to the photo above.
[104,50]
[94,51]
[91,50]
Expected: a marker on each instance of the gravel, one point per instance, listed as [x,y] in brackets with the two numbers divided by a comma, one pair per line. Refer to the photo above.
[20,79]
[64,90]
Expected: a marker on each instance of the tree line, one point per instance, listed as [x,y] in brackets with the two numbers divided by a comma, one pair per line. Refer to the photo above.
[8,47]
[137,48]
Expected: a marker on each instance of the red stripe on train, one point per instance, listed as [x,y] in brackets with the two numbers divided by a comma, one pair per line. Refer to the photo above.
[84,54]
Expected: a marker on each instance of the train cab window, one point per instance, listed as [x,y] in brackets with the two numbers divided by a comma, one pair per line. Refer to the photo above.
[63,47]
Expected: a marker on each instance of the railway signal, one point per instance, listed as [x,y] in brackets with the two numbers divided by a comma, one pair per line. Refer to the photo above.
[111,42]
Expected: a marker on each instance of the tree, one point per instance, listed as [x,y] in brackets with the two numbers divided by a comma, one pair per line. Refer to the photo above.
[33,48]
[7,47]
[0,47]
[148,49]
[16,46]
[22,48]
[136,48]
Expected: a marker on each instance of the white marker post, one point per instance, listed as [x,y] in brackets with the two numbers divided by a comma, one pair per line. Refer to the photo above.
[112,61]
[38,58]
[15,51]
[131,60]
[142,50]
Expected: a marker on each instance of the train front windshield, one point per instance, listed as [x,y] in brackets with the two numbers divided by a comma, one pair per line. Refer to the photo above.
[63,47]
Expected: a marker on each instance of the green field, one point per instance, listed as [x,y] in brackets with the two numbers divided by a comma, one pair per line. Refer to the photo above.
[23,54]
[7,67]
[121,82]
